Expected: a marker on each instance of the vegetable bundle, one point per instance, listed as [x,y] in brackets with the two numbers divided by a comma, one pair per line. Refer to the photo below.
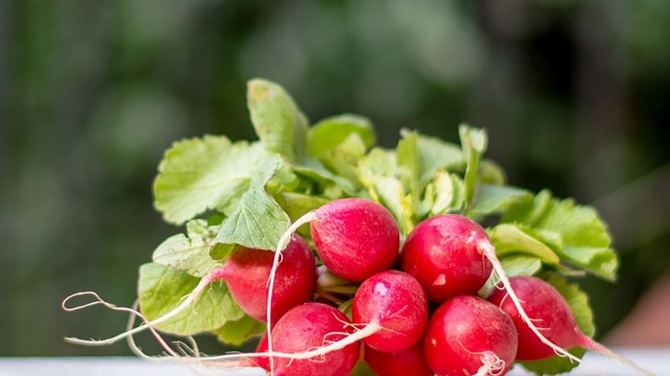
[348,257]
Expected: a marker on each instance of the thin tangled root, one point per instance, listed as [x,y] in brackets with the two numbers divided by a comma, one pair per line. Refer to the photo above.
[492,365]
[189,355]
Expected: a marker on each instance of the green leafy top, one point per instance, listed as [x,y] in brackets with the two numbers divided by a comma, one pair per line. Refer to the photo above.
[161,289]
[243,193]
[578,234]
[209,173]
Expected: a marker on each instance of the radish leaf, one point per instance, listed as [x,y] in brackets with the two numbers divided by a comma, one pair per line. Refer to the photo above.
[162,288]
[509,238]
[190,252]
[474,143]
[239,331]
[436,154]
[445,194]
[408,169]
[277,120]
[490,199]
[329,133]
[580,235]
[258,221]
[206,173]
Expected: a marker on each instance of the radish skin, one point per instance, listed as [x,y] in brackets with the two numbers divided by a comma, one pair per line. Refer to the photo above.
[355,238]
[407,362]
[467,335]
[440,254]
[314,325]
[395,301]
[246,272]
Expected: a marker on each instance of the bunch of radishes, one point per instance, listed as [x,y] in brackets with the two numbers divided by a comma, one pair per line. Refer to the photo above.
[416,310]
[394,271]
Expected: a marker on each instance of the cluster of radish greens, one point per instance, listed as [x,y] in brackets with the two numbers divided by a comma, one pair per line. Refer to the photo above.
[341,257]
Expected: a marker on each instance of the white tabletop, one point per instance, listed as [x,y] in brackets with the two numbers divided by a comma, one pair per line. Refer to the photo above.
[655,360]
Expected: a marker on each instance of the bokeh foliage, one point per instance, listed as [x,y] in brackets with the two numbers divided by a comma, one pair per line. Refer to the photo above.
[574,95]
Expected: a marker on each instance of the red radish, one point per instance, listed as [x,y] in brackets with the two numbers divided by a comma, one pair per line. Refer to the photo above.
[469,336]
[355,238]
[395,302]
[407,362]
[551,314]
[262,361]
[247,270]
[444,254]
[313,326]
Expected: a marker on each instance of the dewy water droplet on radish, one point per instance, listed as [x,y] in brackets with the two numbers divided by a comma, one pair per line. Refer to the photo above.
[440,280]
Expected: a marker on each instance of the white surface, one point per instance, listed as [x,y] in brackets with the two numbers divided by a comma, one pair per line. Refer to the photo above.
[108,366]
[655,360]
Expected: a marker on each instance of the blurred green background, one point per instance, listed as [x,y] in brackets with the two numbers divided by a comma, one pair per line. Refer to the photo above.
[574,93]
